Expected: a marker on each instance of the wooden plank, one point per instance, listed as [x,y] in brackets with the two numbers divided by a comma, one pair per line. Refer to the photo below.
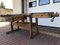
[37,25]
[42,15]
[45,15]
[38,15]
[16,17]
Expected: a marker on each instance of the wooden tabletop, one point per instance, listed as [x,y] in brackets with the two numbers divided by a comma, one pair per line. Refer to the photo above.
[13,15]
[44,15]
[33,15]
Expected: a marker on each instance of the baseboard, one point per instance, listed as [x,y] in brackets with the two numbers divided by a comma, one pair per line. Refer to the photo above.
[49,27]
[49,30]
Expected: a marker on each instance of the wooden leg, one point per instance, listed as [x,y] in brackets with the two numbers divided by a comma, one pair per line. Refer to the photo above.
[30,31]
[33,34]
[37,25]
[11,29]
[17,26]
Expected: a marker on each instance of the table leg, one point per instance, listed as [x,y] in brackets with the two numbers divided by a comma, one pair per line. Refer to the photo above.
[31,32]
[17,26]
[12,30]
[37,26]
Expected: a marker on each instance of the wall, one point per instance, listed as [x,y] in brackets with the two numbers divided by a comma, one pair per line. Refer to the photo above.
[52,7]
[17,6]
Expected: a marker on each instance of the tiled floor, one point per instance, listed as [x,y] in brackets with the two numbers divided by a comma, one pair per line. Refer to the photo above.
[21,38]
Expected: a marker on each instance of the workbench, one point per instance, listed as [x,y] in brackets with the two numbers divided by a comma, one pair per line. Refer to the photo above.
[19,21]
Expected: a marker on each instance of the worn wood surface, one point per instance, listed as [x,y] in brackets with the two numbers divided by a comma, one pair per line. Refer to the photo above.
[44,15]
[27,25]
